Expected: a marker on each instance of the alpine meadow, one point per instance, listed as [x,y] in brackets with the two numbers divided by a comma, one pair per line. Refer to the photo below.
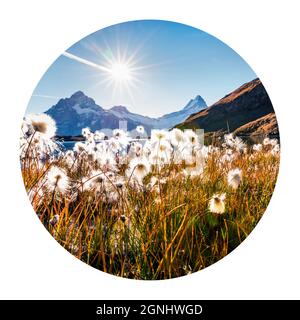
[154,211]
[148,180]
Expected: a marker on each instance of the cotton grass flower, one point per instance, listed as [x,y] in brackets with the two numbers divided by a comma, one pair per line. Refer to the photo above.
[138,168]
[163,148]
[217,203]
[186,155]
[114,145]
[275,150]
[41,123]
[147,148]
[140,129]
[153,181]
[39,146]
[176,136]
[79,147]
[69,158]
[193,171]
[158,135]
[229,139]
[119,134]
[239,145]
[120,182]
[122,137]
[257,147]
[112,197]
[191,137]
[98,136]
[234,178]
[273,142]
[90,140]
[106,160]
[26,129]
[135,150]
[266,141]
[86,132]
[234,142]
[229,156]
[95,182]
[57,180]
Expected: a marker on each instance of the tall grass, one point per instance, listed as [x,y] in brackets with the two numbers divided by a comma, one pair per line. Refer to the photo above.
[158,232]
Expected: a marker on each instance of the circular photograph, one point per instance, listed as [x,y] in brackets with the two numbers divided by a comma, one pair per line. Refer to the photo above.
[149,150]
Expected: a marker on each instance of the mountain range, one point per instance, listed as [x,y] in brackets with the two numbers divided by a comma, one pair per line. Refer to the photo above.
[245,111]
[80,111]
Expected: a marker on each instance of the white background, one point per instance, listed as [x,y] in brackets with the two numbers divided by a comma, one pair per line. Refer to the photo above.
[34,34]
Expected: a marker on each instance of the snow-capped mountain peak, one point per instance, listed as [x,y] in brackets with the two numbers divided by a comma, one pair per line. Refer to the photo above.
[79,111]
[77,95]
[197,102]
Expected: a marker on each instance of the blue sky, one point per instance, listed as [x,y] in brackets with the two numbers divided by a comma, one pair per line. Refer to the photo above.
[167,65]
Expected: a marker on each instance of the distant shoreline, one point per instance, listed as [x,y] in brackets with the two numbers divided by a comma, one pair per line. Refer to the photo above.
[70,138]
[209,137]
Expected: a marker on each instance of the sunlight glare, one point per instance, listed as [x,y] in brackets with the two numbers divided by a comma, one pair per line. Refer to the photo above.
[120,72]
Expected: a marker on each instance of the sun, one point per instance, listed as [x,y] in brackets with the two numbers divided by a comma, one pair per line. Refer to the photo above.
[120,72]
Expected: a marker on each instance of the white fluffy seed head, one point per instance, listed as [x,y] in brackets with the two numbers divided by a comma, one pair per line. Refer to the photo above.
[98,136]
[234,178]
[41,123]
[158,135]
[57,180]
[191,137]
[257,147]
[266,141]
[80,147]
[138,168]
[140,129]
[177,136]
[86,132]
[217,203]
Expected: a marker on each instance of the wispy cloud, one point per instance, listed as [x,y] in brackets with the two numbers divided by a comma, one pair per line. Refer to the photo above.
[84,61]
[45,96]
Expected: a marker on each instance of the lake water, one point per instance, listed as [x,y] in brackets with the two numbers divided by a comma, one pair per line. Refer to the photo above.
[68,145]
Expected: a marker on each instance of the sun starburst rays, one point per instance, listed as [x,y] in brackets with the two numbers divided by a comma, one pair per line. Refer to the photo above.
[119,70]
[119,67]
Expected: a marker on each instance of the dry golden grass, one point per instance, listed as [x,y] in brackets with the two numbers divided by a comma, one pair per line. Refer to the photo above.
[154,233]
